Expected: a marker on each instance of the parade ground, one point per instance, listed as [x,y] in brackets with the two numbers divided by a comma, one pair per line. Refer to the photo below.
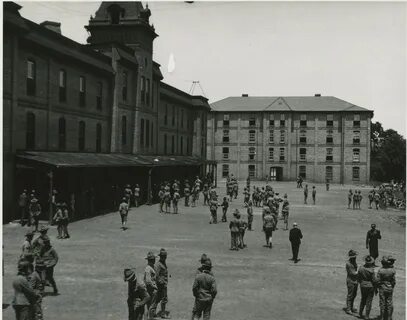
[253,283]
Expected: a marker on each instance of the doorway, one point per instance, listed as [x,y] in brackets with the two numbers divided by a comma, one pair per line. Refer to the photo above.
[276,173]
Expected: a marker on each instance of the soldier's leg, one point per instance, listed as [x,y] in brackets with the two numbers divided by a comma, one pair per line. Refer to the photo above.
[207,310]
[38,311]
[138,313]
[197,310]
[389,303]
[350,297]
[153,305]
[362,301]
[164,302]
[369,300]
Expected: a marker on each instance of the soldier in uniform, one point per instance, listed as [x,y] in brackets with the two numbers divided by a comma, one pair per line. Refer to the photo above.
[35,212]
[377,200]
[137,195]
[187,194]
[295,239]
[314,194]
[351,281]
[367,282]
[37,283]
[58,219]
[249,215]
[204,291]
[268,228]
[24,295]
[234,230]
[123,211]
[205,192]
[360,197]
[285,211]
[161,271]
[235,188]
[372,241]
[65,221]
[225,206]
[175,199]
[161,197]
[350,196]
[38,243]
[128,194]
[305,194]
[27,248]
[213,207]
[242,229]
[386,278]
[246,194]
[50,258]
[137,295]
[22,207]
[167,200]
[150,281]
[355,200]
[370,197]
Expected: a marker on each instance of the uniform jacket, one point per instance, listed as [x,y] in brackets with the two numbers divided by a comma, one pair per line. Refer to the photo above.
[225,204]
[268,221]
[204,288]
[26,248]
[36,282]
[50,257]
[150,278]
[161,271]
[65,214]
[372,237]
[386,278]
[23,293]
[352,272]
[38,244]
[295,236]
[35,209]
[137,295]
[234,225]
[136,192]
[58,215]
[366,277]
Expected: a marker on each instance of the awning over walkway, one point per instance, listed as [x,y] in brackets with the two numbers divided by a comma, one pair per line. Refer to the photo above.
[77,159]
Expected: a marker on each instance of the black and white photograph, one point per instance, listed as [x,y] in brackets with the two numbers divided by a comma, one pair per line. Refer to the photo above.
[225,160]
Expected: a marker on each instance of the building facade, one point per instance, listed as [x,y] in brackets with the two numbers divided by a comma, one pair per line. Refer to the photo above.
[65,102]
[281,138]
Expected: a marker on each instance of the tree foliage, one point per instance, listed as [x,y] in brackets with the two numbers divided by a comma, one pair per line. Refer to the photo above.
[388,154]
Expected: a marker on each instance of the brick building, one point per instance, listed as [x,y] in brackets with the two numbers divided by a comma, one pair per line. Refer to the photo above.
[81,118]
[315,137]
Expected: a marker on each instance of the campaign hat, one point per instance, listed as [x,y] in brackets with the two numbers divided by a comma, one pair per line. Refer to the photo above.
[43,228]
[129,274]
[204,257]
[369,260]
[163,253]
[150,256]
[352,253]
[207,263]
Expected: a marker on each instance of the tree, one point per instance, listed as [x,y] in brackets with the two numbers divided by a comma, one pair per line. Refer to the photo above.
[388,155]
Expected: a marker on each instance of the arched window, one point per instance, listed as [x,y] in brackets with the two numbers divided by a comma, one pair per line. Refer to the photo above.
[62,134]
[81,136]
[30,131]
[98,137]
[115,12]
[124,130]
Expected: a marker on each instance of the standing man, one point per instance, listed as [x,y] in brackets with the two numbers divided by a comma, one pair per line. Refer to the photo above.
[305,194]
[268,228]
[225,206]
[314,194]
[38,243]
[175,198]
[37,283]
[234,230]
[377,200]
[22,207]
[128,194]
[50,258]
[327,184]
[123,211]
[137,196]
[249,215]
[367,282]
[161,198]
[285,211]
[161,271]
[150,281]
[27,248]
[350,196]
[204,291]
[24,295]
[35,212]
[137,295]
[295,239]
[386,278]
[351,281]
[372,242]
[370,197]
[187,194]
[213,207]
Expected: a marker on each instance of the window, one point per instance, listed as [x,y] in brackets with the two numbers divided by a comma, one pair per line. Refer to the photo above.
[188,146]
[62,134]
[226,120]
[143,89]
[82,91]
[114,12]
[282,154]
[282,120]
[203,121]
[252,122]
[62,86]
[165,144]
[148,92]
[329,137]
[303,137]
[225,138]
[147,133]
[252,153]
[282,136]
[271,139]
[31,78]
[329,154]
[30,131]
[173,116]
[124,87]
[356,155]
[355,174]
[356,137]
[152,134]
[166,115]
[303,172]
[225,152]
[182,118]
[271,154]
[303,154]
[271,121]
[142,133]
[252,170]
[329,120]
[182,145]
[172,144]
[225,170]
[252,136]
[356,120]
[81,136]
[124,130]
[99,90]
[303,120]
[328,173]
[98,137]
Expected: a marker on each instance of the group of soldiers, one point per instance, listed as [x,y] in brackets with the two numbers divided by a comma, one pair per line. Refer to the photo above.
[35,271]
[145,294]
[378,198]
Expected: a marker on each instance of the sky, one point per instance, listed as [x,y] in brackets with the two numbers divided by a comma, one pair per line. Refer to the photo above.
[355,51]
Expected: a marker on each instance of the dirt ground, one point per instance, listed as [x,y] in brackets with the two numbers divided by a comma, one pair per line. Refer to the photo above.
[254,283]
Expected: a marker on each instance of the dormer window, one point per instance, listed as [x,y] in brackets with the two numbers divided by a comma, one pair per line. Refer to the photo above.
[115,13]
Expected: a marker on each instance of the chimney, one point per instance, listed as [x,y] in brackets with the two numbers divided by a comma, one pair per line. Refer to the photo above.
[52,25]
[245,95]
[317,95]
